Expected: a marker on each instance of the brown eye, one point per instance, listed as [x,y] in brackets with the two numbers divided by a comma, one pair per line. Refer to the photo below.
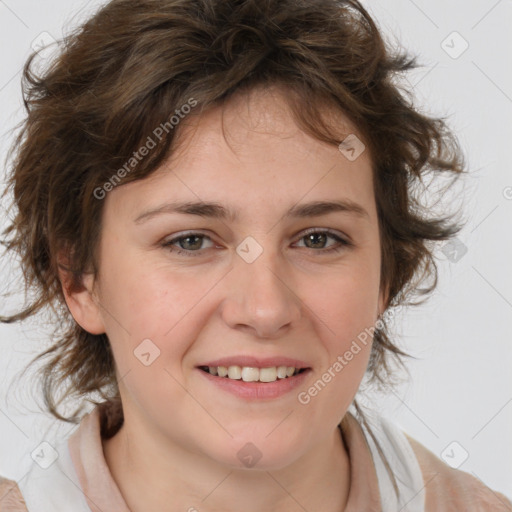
[317,239]
[187,244]
[190,242]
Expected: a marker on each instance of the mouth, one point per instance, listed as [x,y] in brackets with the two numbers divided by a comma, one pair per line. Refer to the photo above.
[253,373]
[253,383]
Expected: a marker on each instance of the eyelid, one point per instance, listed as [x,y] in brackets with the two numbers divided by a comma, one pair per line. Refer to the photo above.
[301,234]
[343,241]
[178,236]
[334,233]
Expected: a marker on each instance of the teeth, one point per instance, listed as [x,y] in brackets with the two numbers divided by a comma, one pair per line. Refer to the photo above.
[281,372]
[268,374]
[235,372]
[251,374]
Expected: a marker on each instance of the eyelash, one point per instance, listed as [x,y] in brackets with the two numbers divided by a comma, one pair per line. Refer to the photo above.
[344,243]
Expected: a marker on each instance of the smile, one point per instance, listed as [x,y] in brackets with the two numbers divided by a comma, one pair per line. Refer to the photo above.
[255,384]
[252,374]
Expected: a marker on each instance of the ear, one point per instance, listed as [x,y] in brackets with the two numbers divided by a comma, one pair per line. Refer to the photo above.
[80,298]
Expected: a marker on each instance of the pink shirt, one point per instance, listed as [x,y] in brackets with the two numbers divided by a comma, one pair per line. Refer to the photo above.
[80,480]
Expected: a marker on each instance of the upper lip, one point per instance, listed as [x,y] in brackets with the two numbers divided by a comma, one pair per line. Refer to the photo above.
[256,362]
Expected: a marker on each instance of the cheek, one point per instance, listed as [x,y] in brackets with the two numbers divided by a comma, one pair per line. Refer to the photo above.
[147,302]
[348,329]
[144,298]
[349,303]
[149,329]
[347,307]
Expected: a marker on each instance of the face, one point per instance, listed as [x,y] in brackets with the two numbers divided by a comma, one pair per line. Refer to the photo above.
[276,284]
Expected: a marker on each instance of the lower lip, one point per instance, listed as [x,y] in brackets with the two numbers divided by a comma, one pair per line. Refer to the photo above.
[257,390]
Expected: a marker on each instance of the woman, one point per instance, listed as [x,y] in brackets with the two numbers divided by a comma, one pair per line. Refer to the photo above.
[218,197]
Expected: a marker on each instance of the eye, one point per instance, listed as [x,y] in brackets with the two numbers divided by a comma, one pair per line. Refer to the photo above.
[317,237]
[188,244]
[191,244]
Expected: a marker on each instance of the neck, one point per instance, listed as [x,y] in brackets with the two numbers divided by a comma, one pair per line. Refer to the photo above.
[155,474]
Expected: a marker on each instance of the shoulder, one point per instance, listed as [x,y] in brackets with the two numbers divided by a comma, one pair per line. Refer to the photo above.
[50,485]
[57,479]
[448,489]
[11,499]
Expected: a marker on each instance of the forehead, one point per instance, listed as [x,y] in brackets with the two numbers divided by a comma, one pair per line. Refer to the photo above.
[250,155]
[258,118]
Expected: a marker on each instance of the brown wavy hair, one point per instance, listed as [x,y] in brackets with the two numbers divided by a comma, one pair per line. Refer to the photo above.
[132,65]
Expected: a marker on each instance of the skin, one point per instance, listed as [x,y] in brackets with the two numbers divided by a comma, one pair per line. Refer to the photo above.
[178,446]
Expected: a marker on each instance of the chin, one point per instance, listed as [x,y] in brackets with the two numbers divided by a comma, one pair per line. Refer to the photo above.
[260,451]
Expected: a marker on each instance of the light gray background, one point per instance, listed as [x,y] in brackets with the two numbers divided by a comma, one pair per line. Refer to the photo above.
[461,388]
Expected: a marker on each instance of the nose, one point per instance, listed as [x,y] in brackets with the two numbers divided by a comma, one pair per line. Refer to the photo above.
[260,297]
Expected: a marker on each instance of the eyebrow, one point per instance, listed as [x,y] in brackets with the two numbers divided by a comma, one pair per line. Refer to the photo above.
[217,211]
